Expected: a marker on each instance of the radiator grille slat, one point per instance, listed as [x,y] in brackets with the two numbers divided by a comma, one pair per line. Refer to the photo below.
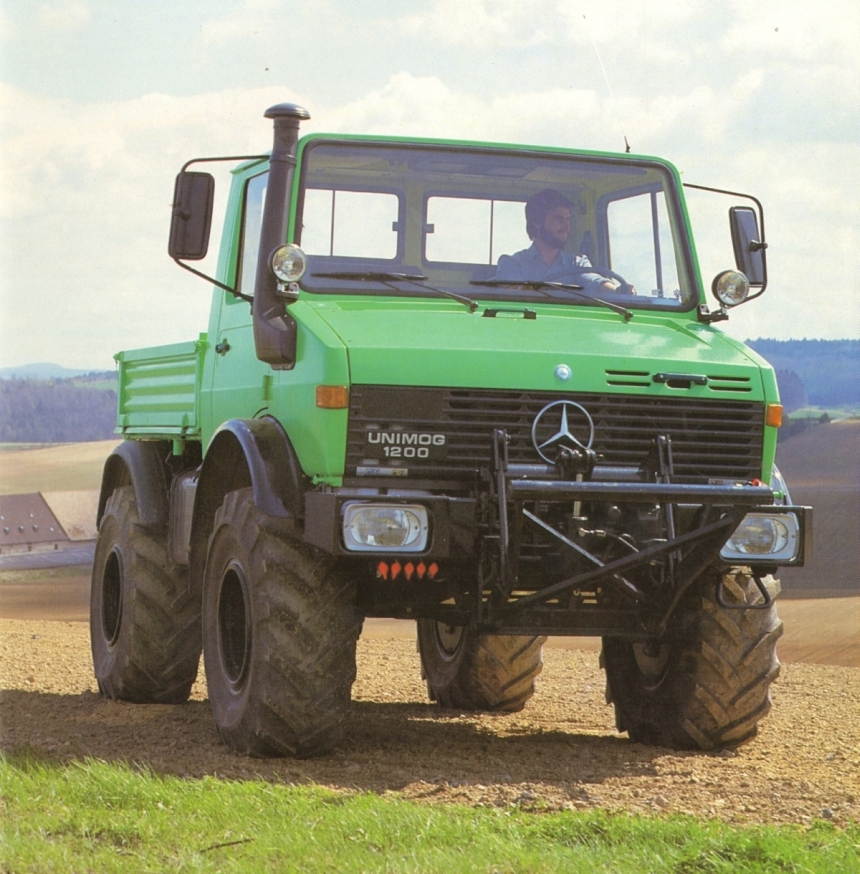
[710,438]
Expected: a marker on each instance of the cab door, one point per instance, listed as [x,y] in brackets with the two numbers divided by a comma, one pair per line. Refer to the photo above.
[241,383]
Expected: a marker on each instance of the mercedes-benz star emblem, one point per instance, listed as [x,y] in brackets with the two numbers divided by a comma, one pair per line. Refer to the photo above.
[561,423]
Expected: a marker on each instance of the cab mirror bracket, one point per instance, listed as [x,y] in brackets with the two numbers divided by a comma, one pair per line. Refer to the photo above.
[191,218]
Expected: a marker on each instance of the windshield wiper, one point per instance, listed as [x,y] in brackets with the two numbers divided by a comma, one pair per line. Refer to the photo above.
[387,278]
[542,284]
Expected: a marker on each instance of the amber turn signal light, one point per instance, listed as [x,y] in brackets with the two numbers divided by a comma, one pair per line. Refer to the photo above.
[773,415]
[332,397]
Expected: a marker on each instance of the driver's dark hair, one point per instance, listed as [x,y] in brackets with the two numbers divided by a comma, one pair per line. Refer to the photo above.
[540,205]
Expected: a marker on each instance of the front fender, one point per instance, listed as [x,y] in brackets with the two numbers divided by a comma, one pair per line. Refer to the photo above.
[243,453]
[273,470]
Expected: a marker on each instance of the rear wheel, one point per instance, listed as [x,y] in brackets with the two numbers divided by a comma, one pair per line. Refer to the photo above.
[470,671]
[711,687]
[144,623]
[280,626]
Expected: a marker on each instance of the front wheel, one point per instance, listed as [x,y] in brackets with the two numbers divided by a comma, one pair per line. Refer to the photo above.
[468,671]
[280,626]
[710,687]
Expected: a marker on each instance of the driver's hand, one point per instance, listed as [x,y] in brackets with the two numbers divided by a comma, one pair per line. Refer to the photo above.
[612,285]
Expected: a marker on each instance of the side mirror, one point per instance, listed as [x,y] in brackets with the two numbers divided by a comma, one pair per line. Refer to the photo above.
[191,222]
[748,245]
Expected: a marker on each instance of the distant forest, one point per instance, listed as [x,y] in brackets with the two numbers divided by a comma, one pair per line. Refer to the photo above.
[819,373]
[58,410]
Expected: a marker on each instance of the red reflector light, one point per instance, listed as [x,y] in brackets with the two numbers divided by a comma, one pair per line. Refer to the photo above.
[386,571]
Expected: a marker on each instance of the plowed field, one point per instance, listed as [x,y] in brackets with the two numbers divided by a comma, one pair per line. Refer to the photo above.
[561,752]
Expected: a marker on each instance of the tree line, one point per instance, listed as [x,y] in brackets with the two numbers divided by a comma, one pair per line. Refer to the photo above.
[818,373]
[58,411]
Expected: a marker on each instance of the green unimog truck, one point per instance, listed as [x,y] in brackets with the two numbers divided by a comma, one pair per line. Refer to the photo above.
[474,385]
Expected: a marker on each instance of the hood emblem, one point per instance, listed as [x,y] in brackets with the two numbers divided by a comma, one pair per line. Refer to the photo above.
[561,424]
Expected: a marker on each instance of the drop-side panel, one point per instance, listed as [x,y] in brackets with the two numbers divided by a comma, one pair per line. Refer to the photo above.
[159,390]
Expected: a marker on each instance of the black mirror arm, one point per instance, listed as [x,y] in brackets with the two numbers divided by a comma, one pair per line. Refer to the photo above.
[755,245]
[186,215]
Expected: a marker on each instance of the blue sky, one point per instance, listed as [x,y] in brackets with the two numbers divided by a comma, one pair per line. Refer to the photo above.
[102,101]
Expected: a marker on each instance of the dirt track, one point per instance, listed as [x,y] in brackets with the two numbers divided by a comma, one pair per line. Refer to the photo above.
[561,752]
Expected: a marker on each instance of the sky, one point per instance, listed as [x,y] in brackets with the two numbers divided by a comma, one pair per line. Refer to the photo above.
[102,101]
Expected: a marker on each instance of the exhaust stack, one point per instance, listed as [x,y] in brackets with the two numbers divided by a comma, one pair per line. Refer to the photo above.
[274,328]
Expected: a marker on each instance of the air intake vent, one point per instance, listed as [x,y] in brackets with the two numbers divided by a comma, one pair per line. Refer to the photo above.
[637,378]
[729,383]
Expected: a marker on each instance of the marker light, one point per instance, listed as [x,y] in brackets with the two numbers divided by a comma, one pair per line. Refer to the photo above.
[384,528]
[332,397]
[773,415]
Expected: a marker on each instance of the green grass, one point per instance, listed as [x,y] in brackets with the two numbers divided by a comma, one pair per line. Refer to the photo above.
[91,816]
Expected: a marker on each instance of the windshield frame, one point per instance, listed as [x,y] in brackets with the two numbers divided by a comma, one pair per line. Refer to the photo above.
[685,262]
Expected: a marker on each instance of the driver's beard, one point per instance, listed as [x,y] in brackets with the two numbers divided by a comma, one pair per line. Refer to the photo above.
[555,241]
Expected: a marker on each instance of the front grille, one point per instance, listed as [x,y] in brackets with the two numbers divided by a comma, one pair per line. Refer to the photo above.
[711,439]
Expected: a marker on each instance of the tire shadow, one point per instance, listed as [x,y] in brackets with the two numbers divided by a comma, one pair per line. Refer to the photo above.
[387,746]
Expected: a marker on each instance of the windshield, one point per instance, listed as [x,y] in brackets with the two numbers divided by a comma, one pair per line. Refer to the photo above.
[491,224]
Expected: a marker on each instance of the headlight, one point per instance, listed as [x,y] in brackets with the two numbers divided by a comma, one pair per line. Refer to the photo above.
[730,288]
[288,263]
[384,527]
[766,536]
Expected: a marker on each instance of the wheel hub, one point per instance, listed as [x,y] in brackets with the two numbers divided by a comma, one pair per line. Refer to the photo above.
[234,627]
[652,658]
[111,612]
[448,638]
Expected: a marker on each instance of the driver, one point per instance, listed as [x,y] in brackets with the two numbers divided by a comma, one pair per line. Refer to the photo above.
[548,225]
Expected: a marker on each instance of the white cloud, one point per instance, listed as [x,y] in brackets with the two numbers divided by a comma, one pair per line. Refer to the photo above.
[477,23]
[253,18]
[63,15]
[7,28]
[796,30]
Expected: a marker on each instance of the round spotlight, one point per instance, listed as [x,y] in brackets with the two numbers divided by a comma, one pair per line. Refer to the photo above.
[288,263]
[730,287]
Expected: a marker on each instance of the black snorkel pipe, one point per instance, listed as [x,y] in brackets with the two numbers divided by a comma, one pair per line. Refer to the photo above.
[274,329]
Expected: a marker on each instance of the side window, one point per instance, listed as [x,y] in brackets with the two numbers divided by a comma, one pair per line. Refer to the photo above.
[473,231]
[357,224]
[640,244]
[252,221]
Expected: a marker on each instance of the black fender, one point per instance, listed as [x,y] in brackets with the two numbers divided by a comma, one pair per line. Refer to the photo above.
[242,453]
[141,464]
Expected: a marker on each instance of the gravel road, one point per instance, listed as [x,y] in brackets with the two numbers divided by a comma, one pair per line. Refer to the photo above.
[561,752]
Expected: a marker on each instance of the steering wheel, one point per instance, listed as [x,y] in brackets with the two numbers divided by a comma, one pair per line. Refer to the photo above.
[624,287]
